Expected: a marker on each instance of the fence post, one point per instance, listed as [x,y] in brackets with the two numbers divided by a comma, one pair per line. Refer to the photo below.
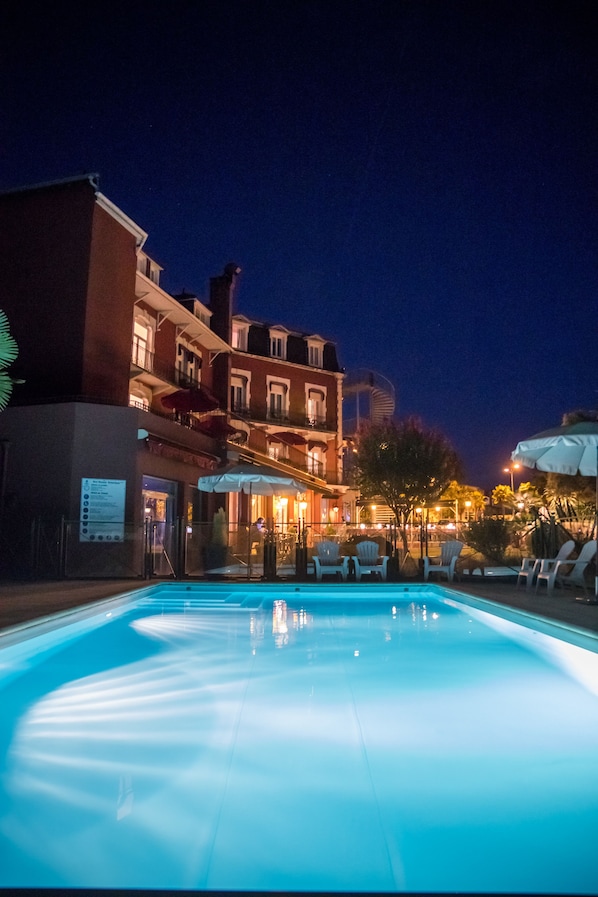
[62,548]
[147,548]
[269,557]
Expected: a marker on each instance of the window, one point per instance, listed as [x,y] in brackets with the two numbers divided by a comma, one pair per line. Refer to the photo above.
[239,400]
[142,343]
[315,462]
[188,366]
[315,346]
[278,451]
[315,356]
[239,336]
[316,407]
[278,343]
[278,405]
[139,397]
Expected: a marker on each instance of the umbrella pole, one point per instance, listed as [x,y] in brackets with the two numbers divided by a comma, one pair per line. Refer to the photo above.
[596,532]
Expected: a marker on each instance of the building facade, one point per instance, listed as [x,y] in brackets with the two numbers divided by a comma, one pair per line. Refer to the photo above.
[130,394]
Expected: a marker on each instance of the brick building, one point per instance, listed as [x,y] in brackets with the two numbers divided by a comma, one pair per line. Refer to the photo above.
[131,393]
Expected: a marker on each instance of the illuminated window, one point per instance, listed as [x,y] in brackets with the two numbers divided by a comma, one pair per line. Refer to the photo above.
[139,397]
[239,335]
[278,451]
[143,339]
[316,406]
[315,461]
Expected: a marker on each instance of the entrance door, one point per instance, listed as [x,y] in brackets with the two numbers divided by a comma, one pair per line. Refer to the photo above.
[159,512]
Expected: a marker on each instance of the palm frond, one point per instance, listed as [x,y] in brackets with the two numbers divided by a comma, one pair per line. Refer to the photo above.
[5,389]
[8,344]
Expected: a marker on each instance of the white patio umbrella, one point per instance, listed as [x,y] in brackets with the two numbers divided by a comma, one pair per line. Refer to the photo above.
[570,449]
[253,479]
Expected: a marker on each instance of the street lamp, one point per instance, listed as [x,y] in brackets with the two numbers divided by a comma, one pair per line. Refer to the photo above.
[510,470]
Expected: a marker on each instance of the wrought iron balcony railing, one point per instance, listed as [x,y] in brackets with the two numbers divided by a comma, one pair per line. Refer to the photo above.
[144,360]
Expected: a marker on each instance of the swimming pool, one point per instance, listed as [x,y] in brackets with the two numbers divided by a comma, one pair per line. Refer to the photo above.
[317,738]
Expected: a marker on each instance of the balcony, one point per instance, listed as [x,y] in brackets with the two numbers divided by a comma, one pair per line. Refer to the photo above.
[154,371]
[283,417]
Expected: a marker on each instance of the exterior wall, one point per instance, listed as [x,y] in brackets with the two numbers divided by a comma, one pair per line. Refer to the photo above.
[261,368]
[109,310]
[44,256]
[53,446]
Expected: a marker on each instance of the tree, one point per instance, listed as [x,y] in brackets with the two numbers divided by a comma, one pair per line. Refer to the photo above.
[461,493]
[8,353]
[503,496]
[406,464]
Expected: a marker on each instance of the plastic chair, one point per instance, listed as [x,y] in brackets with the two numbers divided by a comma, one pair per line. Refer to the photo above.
[328,560]
[369,560]
[446,563]
[567,573]
[530,567]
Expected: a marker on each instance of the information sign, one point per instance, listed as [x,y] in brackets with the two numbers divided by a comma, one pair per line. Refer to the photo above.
[102,516]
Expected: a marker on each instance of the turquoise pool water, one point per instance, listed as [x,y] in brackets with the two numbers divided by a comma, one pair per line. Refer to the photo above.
[327,738]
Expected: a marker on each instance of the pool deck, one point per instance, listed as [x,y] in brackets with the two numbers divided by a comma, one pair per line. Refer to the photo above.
[25,601]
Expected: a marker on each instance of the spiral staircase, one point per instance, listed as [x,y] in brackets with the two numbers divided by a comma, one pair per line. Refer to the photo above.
[368,398]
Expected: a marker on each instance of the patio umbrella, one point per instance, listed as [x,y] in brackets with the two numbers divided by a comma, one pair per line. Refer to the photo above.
[188,400]
[253,479]
[571,449]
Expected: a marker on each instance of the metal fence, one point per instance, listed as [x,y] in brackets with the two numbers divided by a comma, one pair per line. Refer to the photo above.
[157,550]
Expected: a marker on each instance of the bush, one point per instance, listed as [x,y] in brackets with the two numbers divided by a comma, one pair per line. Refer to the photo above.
[491,536]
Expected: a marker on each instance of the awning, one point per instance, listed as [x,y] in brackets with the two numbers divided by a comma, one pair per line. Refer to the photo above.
[287,438]
[317,443]
[188,400]
[218,427]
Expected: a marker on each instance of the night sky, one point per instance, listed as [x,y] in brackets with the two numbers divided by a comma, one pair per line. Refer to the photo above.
[413,180]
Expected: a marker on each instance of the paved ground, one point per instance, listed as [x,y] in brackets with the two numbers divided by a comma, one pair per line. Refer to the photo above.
[20,602]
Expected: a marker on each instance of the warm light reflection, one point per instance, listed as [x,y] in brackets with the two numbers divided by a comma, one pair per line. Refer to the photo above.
[280,629]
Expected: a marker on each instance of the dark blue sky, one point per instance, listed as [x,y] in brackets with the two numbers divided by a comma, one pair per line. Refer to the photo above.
[415,180]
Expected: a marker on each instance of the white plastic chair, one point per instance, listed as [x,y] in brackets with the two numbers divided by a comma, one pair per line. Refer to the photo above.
[446,563]
[369,560]
[328,560]
[567,573]
[530,567]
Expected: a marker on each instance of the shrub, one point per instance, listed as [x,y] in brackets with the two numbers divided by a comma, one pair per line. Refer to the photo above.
[491,536]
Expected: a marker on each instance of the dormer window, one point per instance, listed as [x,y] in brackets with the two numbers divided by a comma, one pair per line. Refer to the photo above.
[239,335]
[148,267]
[278,343]
[315,346]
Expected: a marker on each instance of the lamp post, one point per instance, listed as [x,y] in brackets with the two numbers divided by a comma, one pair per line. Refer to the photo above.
[511,470]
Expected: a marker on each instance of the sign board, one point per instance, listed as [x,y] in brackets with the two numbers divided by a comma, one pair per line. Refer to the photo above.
[102,515]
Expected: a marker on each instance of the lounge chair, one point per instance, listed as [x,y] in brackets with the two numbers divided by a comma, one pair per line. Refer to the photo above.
[567,572]
[369,560]
[328,561]
[446,563]
[530,567]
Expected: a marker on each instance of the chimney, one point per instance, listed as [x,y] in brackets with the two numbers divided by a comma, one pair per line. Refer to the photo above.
[221,300]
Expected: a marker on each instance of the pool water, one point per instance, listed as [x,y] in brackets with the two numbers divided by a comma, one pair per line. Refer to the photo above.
[322,738]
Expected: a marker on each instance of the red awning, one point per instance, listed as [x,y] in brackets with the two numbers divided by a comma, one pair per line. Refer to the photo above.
[317,443]
[218,427]
[188,400]
[287,438]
